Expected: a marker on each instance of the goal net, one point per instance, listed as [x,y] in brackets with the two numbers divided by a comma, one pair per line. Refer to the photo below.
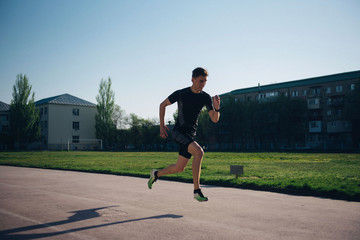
[84,144]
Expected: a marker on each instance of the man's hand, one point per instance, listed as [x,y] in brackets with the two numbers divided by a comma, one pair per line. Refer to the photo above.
[216,102]
[163,131]
[215,115]
[163,127]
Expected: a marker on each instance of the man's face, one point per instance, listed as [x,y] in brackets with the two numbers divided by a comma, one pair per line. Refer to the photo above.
[198,83]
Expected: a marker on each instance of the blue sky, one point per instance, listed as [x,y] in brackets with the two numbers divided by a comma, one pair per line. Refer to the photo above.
[149,48]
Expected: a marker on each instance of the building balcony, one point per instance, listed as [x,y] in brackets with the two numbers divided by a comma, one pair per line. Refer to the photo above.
[313,103]
[338,126]
[315,126]
[336,104]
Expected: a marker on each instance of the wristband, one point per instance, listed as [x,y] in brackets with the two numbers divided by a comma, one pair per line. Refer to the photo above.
[218,110]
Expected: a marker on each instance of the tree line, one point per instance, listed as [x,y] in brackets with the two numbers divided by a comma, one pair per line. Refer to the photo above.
[112,125]
[119,131]
[271,125]
[281,123]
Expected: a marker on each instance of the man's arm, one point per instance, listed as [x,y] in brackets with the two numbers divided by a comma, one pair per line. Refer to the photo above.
[215,115]
[163,127]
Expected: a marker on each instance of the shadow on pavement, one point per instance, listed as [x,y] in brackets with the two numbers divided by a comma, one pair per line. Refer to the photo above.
[80,215]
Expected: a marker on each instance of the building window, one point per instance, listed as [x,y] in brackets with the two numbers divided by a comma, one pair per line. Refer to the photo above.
[339,112]
[5,129]
[76,112]
[339,88]
[295,93]
[75,139]
[314,138]
[305,92]
[328,90]
[76,125]
[337,101]
[4,117]
[315,126]
[45,110]
[316,91]
[352,86]
[313,101]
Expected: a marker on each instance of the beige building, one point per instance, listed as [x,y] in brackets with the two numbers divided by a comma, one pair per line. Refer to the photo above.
[4,126]
[67,123]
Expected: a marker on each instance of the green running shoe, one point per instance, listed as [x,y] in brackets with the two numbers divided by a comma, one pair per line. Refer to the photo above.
[198,195]
[152,178]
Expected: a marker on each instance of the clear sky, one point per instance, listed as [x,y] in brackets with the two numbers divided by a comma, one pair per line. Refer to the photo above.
[149,48]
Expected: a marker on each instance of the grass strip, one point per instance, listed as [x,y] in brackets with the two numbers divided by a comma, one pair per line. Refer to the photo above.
[322,174]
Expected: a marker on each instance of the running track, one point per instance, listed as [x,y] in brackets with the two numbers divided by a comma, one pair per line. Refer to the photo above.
[52,204]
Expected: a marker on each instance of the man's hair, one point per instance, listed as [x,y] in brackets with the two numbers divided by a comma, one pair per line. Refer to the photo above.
[199,72]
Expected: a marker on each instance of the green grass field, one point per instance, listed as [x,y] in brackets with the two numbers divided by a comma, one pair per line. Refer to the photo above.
[328,175]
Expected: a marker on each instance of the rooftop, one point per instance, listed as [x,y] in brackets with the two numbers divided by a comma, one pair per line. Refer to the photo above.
[4,106]
[65,99]
[298,83]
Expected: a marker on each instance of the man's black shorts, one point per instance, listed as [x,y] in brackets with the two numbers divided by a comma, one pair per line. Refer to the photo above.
[184,141]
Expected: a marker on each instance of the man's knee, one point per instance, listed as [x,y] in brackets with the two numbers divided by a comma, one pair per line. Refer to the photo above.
[196,151]
[199,154]
[179,168]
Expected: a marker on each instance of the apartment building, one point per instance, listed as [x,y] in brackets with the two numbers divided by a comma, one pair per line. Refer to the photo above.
[67,123]
[327,127]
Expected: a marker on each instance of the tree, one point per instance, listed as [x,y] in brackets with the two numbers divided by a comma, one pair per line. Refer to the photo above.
[119,118]
[352,114]
[24,118]
[105,125]
[269,125]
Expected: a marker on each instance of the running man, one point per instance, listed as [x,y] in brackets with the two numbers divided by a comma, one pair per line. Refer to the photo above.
[190,101]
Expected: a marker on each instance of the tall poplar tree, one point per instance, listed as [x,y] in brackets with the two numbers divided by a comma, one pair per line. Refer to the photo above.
[104,121]
[24,118]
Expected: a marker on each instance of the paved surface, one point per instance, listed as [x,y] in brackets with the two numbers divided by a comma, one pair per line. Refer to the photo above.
[51,204]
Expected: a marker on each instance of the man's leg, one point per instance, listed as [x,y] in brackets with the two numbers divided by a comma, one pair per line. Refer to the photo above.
[198,154]
[174,168]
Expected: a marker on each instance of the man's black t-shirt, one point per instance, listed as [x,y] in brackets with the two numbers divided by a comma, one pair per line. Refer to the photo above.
[189,107]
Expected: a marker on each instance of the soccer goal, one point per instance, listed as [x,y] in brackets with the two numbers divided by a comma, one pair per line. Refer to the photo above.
[84,144]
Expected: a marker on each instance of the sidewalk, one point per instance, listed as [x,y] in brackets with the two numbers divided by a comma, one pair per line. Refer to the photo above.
[51,204]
